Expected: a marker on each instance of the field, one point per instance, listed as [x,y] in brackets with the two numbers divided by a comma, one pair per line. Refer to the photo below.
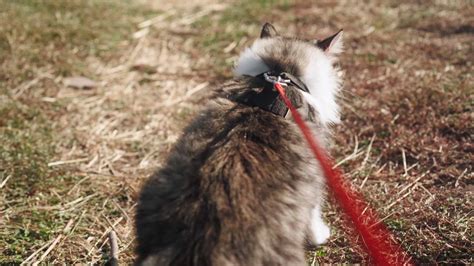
[72,159]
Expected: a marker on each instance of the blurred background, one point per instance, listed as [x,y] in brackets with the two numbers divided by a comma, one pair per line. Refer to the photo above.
[93,93]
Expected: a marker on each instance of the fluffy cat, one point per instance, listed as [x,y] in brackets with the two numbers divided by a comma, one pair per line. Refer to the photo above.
[240,187]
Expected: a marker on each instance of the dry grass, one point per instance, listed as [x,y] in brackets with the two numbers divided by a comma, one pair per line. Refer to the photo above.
[72,160]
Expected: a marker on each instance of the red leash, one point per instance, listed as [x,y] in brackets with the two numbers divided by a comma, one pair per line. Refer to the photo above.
[377,239]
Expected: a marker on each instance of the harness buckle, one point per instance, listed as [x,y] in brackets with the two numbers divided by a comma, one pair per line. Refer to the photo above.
[276,80]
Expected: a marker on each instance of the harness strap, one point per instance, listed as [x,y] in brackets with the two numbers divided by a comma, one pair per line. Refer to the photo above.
[268,98]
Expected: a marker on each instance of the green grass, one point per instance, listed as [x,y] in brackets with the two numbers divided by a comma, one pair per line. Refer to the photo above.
[24,154]
[54,37]
[61,37]
[241,20]
[61,34]
[26,140]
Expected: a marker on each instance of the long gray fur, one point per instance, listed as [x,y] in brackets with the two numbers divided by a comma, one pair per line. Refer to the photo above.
[239,185]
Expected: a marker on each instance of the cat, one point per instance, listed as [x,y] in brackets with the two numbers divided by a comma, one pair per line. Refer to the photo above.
[240,186]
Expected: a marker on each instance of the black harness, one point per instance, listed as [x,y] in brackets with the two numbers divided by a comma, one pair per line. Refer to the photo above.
[268,98]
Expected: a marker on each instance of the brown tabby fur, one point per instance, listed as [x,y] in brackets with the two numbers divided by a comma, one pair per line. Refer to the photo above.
[237,188]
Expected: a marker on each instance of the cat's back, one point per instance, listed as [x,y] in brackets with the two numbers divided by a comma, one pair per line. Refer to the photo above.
[231,193]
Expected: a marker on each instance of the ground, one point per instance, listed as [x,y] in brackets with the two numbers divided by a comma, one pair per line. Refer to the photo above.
[72,160]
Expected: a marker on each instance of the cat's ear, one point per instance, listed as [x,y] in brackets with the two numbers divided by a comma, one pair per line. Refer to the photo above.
[332,44]
[268,31]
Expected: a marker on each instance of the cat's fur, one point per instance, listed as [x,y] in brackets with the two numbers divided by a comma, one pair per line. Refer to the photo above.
[240,186]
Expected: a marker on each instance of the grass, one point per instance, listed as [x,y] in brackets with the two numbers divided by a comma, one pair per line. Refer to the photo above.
[72,161]
[418,113]
[234,27]
[39,41]
[61,34]
[25,151]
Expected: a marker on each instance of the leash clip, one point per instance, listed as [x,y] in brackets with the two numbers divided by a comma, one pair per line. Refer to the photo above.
[276,80]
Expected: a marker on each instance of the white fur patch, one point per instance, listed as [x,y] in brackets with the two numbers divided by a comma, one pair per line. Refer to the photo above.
[320,230]
[319,75]
[250,63]
[323,83]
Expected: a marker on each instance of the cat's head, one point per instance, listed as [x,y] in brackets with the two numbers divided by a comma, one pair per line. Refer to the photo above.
[312,61]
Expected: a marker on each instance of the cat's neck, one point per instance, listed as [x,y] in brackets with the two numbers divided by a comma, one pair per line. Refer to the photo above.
[319,77]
